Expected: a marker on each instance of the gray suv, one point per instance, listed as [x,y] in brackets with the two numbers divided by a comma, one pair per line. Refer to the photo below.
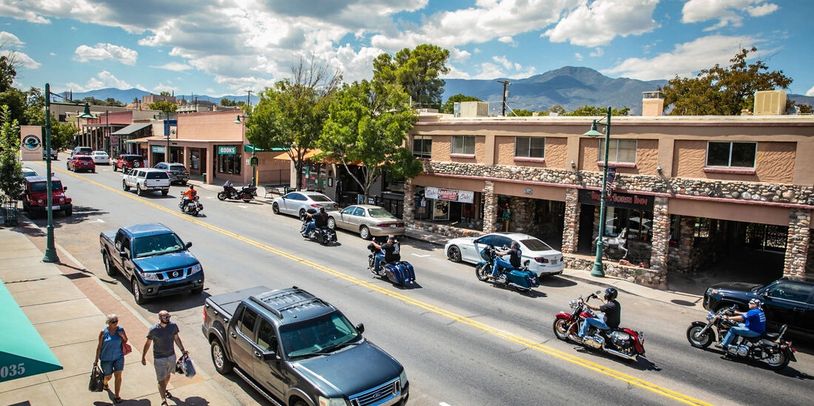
[178,173]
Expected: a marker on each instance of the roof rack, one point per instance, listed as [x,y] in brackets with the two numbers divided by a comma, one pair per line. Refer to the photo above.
[274,301]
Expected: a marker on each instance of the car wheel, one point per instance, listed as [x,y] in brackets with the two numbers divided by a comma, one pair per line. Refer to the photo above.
[137,295]
[364,232]
[138,190]
[125,187]
[219,358]
[110,270]
[275,208]
[302,214]
[454,253]
[331,223]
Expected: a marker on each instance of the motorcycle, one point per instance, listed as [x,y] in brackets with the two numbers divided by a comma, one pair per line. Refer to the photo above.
[622,342]
[192,207]
[770,348]
[247,193]
[521,279]
[399,272]
[323,235]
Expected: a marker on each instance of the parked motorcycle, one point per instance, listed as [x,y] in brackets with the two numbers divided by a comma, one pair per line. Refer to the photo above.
[521,279]
[247,193]
[192,207]
[770,348]
[399,273]
[622,342]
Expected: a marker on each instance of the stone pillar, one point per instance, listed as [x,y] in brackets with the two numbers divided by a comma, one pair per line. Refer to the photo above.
[798,242]
[570,231]
[186,160]
[409,203]
[489,207]
[660,243]
[522,215]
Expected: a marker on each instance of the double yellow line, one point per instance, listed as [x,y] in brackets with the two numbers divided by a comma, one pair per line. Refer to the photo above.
[517,339]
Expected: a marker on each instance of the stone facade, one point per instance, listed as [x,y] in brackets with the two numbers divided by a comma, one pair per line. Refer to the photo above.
[810,263]
[680,257]
[571,226]
[661,235]
[798,242]
[445,230]
[409,202]
[647,277]
[489,207]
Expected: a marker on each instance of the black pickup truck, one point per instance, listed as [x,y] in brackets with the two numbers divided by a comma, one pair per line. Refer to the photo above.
[295,349]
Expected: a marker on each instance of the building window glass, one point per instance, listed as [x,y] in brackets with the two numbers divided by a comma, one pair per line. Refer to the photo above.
[620,151]
[529,147]
[229,159]
[735,154]
[463,144]
[422,146]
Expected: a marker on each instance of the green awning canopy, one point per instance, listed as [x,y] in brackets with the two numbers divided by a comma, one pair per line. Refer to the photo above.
[252,148]
[22,351]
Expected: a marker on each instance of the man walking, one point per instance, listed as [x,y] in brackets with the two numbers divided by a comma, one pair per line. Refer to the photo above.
[164,335]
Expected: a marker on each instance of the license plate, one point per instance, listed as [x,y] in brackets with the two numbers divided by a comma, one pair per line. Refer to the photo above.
[553,262]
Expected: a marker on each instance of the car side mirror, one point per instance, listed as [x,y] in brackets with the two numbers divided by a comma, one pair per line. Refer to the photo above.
[188,245]
[360,328]
[270,356]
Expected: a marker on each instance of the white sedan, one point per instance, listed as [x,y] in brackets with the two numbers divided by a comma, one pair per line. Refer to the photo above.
[100,157]
[543,260]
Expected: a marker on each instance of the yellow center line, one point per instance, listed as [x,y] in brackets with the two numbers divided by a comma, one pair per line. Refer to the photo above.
[517,339]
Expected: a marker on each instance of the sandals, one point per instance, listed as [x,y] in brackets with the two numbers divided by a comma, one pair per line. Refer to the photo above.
[117,400]
[164,403]
[167,394]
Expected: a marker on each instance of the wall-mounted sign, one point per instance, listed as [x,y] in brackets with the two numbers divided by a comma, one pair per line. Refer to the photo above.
[158,149]
[31,142]
[624,200]
[450,195]
[253,161]
[227,149]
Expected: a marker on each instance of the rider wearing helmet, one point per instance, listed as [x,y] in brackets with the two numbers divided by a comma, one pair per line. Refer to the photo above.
[612,310]
[514,259]
[754,323]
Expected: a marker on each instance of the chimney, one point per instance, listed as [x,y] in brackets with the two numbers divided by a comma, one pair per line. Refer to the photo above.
[652,103]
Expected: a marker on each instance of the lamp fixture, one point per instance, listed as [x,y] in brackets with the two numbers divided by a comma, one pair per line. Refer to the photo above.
[593,131]
[86,113]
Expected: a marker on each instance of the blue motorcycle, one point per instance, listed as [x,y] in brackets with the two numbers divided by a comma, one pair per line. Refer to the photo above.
[520,279]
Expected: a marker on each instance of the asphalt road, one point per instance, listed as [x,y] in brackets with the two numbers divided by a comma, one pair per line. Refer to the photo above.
[461,341]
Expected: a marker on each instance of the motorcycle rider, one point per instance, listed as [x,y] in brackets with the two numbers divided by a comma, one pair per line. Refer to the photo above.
[189,195]
[514,260]
[388,252]
[612,310]
[754,324]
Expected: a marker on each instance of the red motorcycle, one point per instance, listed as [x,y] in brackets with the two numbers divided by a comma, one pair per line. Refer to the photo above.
[622,342]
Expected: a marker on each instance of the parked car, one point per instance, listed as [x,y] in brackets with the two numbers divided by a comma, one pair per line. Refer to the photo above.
[146,180]
[297,203]
[100,157]
[366,220]
[788,300]
[543,260]
[28,172]
[81,151]
[297,349]
[126,162]
[178,173]
[78,163]
[35,196]
[153,259]
[54,154]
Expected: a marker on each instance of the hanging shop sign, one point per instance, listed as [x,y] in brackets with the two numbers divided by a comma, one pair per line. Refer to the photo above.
[227,149]
[622,200]
[450,195]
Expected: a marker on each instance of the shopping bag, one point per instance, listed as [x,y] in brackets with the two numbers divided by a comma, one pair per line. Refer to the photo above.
[184,366]
[97,380]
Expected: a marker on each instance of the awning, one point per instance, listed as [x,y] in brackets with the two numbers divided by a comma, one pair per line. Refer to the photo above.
[130,129]
[22,351]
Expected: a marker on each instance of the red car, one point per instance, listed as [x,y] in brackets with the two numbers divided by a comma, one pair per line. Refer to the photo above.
[125,162]
[78,163]
[35,197]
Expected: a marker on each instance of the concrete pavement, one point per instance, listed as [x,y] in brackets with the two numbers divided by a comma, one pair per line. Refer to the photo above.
[67,305]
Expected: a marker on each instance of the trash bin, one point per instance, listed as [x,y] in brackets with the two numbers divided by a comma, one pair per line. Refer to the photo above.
[204,177]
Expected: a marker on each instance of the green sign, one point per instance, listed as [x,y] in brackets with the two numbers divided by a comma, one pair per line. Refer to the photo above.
[227,149]
[252,148]
[158,149]
[253,161]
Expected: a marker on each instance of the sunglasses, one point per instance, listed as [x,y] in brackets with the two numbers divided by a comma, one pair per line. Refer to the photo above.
[114,321]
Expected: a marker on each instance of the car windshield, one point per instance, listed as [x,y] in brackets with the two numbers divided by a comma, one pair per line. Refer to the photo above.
[29,172]
[156,244]
[536,245]
[40,186]
[317,336]
[380,213]
[319,198]
[157,175]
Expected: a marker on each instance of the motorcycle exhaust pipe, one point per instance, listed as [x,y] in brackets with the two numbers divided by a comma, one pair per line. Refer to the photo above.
[620,354]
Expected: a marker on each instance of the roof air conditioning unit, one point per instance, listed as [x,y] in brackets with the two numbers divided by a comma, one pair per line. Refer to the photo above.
[471,109]
[770,102]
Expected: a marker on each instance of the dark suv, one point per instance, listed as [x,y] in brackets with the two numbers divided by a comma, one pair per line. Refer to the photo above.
[788,300]
[178,173]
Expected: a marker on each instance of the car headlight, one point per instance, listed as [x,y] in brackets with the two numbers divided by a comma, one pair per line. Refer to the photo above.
[150,276]
[195,269]
[403,379]
[331,401]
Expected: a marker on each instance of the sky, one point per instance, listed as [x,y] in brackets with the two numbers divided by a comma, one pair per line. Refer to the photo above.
[226,47]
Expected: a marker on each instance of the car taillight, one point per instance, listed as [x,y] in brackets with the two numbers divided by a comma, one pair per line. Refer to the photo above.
[314,205]
[541,260]
[40,201]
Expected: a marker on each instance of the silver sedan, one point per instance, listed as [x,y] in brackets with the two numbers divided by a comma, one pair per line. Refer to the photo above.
[366,220]
[297,203]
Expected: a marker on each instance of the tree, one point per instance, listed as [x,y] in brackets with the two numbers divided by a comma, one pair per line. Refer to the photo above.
[417,71]
[291,114]
[164,106]
[449,105]
[8,71]
[368,124]
[723,90]
[558,109]
[231,103]
[165,93]
[522,113]
[598,111]
[62,134]
[11,174]
[113,102]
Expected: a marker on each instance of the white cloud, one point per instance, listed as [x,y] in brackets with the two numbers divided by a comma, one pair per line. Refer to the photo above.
[498,67]
[599,22]
[104,50]
[685,60]
[21,58]
[597,52]
[10,40]
[727,12]
[578,56]
[161,87]
[174,66]
[810,92]
[460,55]
[102,79]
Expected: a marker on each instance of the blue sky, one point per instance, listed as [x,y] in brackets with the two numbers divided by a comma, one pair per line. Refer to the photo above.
[229,46]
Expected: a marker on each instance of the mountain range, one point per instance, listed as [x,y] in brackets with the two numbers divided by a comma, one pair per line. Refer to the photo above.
[570,87]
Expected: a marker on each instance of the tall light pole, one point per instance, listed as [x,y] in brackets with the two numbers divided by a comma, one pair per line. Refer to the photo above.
[241,119]
[597,269]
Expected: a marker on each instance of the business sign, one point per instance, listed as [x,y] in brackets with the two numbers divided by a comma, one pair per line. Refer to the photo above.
[158,149]
[227,149]
[450,195]
[621,200]
[31,143]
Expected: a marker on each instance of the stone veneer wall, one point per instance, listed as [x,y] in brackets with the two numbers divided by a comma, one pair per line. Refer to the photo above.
[647,277]
[810,263]
[661,235]
[443,229]
[408,214]
[571,221]
[489,207]
[798,242]
[680,257]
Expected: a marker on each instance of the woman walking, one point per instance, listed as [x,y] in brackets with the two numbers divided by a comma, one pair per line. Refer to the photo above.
[110,353]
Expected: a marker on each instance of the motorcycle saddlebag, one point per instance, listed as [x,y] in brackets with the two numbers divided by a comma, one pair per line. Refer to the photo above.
[399,272]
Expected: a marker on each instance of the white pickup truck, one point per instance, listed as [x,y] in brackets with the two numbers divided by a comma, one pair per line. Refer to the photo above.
[146,180]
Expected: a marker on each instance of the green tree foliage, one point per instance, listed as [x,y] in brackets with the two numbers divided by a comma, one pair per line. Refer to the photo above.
[62,134]
[598,111]
[721,90]
[368,124]
[113,102]
[165,93]
[417,71]
[8,71]
[291,114]
[449,105]
[558,109]
[9,95]
[164,106]
[522,113]
[11,175]
[231,103]
[34,113]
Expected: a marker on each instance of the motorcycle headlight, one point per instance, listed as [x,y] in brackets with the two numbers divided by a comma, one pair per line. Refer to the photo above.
[331,401]
[150,276]
[195,269]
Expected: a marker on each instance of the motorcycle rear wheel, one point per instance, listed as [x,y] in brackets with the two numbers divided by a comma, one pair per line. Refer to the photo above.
[561,329]
[778,361]
[699,341]
[482,272]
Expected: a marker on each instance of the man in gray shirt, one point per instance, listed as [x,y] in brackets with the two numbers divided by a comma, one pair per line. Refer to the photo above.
[165,336]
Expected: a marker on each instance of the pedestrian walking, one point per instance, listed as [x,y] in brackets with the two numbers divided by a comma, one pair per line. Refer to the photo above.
[163,336]
[109,351]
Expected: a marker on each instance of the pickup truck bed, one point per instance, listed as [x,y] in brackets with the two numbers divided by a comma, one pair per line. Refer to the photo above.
[225,304]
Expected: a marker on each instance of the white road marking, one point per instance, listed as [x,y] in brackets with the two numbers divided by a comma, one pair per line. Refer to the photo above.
[242,206]
[100,221]
[444,404]
[420,255]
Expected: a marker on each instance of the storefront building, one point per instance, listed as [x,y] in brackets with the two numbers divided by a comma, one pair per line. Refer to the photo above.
[686,194]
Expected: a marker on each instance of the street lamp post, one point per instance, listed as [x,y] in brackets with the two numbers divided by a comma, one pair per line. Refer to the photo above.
[597,269]
[241,119]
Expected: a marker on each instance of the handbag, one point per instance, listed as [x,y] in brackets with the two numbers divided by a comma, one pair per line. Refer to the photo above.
[126,348]
[97,380]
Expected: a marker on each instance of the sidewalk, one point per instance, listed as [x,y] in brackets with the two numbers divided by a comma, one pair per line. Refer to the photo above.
[67,306]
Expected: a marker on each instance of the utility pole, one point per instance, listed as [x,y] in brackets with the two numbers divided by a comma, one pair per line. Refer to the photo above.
[505,94]
[248,101]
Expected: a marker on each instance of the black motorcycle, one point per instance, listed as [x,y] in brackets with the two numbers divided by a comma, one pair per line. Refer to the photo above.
[770,348]
[247,193]
[323,235]
[191,207]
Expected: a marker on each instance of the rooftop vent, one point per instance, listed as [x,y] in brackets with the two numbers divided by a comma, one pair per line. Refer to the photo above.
[770,102]
[471,109]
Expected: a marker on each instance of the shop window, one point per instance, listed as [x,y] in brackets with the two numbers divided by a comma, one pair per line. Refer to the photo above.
[230,164]
[463,144]
[733,154]
[529,147]
[422,146]
[620,151]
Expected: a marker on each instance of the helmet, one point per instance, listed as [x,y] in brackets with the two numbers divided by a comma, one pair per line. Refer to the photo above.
[611,293]
[756,302]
